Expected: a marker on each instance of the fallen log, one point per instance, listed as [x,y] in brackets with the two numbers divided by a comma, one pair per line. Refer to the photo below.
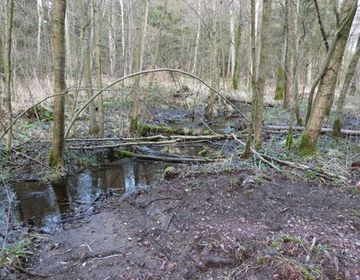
[301,128]
[124,154]
[167,140]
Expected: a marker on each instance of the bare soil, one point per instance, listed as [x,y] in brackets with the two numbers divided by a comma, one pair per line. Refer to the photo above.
[213,225]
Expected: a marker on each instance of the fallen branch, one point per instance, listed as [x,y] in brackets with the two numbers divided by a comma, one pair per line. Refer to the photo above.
[159,199]
[33,274]
[322,130]
[123,153]
[257,154]
[304,167]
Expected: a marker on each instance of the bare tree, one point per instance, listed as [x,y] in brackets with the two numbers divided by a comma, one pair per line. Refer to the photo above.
[56,159]
[345,88]
[327,81]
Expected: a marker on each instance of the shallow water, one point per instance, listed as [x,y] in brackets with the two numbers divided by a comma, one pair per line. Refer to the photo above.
[46,204]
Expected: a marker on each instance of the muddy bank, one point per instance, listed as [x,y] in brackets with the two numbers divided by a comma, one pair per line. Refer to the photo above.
[218,225]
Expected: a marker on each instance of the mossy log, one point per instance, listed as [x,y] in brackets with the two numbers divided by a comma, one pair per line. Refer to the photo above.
[146,129]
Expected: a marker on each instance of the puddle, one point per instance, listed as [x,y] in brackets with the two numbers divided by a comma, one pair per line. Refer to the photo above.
[45,204]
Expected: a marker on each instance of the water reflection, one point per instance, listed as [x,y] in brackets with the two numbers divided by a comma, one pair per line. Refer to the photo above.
[44,204]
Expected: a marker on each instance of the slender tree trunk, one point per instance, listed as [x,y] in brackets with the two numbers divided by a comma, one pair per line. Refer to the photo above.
[232,55]
[111,37]
[345,88]
[7,60]
[236,72]
[247,151]
[138,52]
[210,106]
[328,81]
[38,37]
[288,66]
[123,37]
[294,42]
[263,71]
[97,66]
[197,42]
[56,159]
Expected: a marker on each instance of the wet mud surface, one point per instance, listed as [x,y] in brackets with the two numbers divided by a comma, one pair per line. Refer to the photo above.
[212,225]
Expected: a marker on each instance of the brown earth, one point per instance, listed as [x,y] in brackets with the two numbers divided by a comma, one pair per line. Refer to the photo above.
[213,225]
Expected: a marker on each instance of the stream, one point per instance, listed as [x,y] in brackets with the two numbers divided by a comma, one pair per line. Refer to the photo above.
[46,204]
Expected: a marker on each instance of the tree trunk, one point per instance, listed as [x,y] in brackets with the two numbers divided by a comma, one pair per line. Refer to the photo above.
[56,159]
[328,81]
[345,88]
[263,71]
[197,42]
[237,61]
[138,53]
[247,150]
[288,66]
[38,37]
[111,37]
[97,66]
[9,8]
[210,106]
[123,37]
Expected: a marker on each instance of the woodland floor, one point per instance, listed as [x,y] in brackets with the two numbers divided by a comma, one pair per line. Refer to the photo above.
[209,221]
[213,225]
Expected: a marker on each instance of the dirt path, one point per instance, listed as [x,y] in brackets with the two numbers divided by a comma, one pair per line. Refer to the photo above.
[214,226]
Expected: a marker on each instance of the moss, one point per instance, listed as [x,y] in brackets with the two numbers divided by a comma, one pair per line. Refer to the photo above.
[124,154]
[299,121]
[154,129]
[289,140]
[235,80]
[337,128]
[280,85]
[306,148]
[263,260]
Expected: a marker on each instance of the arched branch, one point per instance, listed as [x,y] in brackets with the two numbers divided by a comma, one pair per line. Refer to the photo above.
[106,88]
[77,113]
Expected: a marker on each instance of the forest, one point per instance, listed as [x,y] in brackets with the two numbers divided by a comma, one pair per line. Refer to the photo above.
[180,139]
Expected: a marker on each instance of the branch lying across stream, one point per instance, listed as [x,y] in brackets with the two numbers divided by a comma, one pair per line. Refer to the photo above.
[138,141]
[123,153]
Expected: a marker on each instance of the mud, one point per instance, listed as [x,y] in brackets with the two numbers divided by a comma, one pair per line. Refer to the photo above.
[213,225]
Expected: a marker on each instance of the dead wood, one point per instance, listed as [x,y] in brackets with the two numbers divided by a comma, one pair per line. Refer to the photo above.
[300,128]
[123,153]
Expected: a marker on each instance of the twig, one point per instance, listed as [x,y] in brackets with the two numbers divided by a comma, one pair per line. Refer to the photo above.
[170,221]
[30,158]
[34,274]
[159,199]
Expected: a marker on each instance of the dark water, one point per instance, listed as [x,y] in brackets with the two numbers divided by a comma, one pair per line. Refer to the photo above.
[46,204]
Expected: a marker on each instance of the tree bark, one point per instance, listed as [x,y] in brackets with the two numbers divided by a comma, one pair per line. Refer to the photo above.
[56,159]
[328,81]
